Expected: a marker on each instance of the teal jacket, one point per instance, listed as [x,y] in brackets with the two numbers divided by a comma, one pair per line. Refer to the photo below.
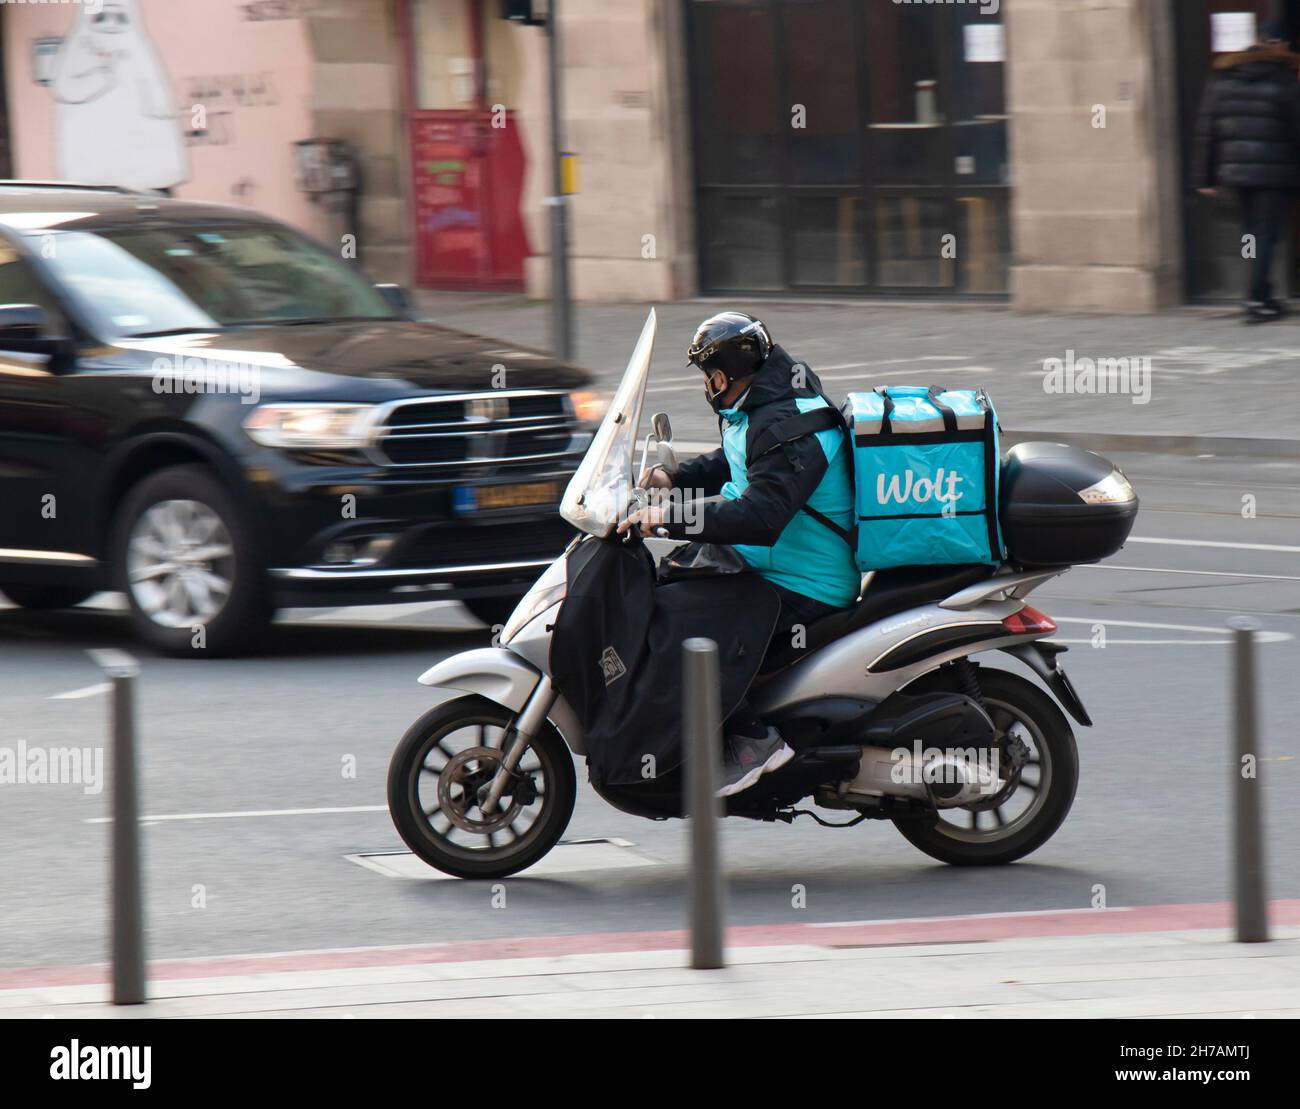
[762,512]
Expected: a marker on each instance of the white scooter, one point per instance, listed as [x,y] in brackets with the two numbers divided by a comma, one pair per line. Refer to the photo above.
[889,717]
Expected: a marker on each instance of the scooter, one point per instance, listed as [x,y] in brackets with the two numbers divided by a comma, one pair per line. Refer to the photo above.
[889,716]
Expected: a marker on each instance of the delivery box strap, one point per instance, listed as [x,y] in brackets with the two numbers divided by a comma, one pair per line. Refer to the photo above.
[933,394]
[792,428]
[847,534]
[787,430]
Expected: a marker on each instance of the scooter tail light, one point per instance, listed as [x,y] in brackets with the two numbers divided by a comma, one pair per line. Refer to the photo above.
[1029,621]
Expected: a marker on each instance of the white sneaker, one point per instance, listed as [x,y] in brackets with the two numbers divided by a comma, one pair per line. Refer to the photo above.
[746,759]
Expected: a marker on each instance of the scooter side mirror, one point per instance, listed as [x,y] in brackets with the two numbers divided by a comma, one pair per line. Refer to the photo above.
[663,433]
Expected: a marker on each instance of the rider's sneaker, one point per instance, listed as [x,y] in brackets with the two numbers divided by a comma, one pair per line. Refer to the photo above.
[746,759]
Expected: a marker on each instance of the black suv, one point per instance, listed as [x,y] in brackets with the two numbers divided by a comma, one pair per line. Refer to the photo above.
[218,417]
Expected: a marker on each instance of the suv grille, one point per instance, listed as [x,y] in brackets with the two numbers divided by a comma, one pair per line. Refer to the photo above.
[476,429]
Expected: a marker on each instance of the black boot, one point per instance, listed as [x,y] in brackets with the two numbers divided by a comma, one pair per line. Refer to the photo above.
[1262,311]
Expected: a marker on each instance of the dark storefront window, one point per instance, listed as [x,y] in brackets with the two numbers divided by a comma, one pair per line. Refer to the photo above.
[840,144]
[741,238]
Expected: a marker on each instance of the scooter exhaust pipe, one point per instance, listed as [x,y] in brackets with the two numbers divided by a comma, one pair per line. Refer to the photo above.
[946,778]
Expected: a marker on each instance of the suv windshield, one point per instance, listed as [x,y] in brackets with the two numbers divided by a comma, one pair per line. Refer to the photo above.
[142,281]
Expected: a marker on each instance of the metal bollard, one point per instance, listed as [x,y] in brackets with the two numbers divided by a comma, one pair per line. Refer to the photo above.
[702,732]
[126,894]
[1248,844]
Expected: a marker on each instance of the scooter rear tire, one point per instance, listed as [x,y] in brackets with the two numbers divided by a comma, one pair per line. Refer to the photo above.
[942,840]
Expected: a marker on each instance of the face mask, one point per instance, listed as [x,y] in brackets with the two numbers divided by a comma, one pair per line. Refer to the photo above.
[714,399]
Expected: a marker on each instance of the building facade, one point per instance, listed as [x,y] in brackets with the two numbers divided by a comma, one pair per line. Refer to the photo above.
[1031,150]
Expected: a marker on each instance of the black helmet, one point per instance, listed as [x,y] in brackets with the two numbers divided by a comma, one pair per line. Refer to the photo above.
[732,342]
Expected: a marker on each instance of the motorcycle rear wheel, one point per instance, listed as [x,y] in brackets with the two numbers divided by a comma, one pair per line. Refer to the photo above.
[982,835]
[434,781]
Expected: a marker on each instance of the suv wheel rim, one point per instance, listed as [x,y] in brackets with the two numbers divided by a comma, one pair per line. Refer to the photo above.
[180,563]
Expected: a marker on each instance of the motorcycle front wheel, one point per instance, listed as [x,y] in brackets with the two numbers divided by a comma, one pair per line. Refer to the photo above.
[437,782]
[1033,736]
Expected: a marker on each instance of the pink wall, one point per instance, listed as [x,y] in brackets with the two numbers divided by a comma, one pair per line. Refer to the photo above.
[122,90]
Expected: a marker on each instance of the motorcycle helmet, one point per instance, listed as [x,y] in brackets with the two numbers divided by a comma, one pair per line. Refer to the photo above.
[733,342]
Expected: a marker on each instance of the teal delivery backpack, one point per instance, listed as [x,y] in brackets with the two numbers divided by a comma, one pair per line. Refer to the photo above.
[926,466]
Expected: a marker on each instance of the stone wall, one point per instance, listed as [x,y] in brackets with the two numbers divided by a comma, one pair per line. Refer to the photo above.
[357,96]
[624,103]
[1095,209]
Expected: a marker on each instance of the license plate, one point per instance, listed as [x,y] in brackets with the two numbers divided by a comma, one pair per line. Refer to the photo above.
[479,498]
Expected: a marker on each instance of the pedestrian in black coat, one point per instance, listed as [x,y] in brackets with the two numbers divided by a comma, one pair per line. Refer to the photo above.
[1248,139]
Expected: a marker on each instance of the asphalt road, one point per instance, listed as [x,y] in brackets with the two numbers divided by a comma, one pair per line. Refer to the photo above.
[232,751]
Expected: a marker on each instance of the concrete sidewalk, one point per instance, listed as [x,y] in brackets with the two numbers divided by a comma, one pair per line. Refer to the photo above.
[1216,385]
[837,970]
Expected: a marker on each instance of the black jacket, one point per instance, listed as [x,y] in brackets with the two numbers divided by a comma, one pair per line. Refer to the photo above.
[780,481]
[1248,131]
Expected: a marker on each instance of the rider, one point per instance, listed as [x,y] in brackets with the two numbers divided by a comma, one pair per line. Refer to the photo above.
[784,475]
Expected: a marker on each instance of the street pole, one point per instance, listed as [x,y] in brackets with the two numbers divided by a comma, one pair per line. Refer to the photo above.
[561,308]
[1248,844]
[127,887]
[702,732]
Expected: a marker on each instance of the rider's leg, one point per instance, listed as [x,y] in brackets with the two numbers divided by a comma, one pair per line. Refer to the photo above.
[751,748]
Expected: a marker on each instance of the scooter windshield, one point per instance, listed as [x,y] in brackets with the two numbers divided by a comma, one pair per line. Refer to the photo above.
[599,493]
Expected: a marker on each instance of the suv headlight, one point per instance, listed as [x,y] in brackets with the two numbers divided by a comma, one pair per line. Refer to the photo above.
[311,426]
[589,406]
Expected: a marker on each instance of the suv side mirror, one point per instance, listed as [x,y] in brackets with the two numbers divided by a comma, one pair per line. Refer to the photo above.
[396,296]
[25,328]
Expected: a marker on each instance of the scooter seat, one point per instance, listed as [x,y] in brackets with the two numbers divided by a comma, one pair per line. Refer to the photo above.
[890,592]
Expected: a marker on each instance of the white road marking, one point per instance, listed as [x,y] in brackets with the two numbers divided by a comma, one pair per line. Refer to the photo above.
[1261,637]
[246,813]
[386,614]
[566,857]
[84,691]
[1216,543]
[1143,624]
[1200,573]
[1161,642]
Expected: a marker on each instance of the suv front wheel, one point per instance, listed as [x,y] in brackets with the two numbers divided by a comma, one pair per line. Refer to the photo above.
[185,558]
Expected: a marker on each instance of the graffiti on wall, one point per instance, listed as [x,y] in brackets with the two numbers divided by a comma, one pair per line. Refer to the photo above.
[259,11]
[117,121]
[218,96]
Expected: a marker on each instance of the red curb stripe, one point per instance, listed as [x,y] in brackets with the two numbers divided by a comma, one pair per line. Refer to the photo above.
[882,933]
